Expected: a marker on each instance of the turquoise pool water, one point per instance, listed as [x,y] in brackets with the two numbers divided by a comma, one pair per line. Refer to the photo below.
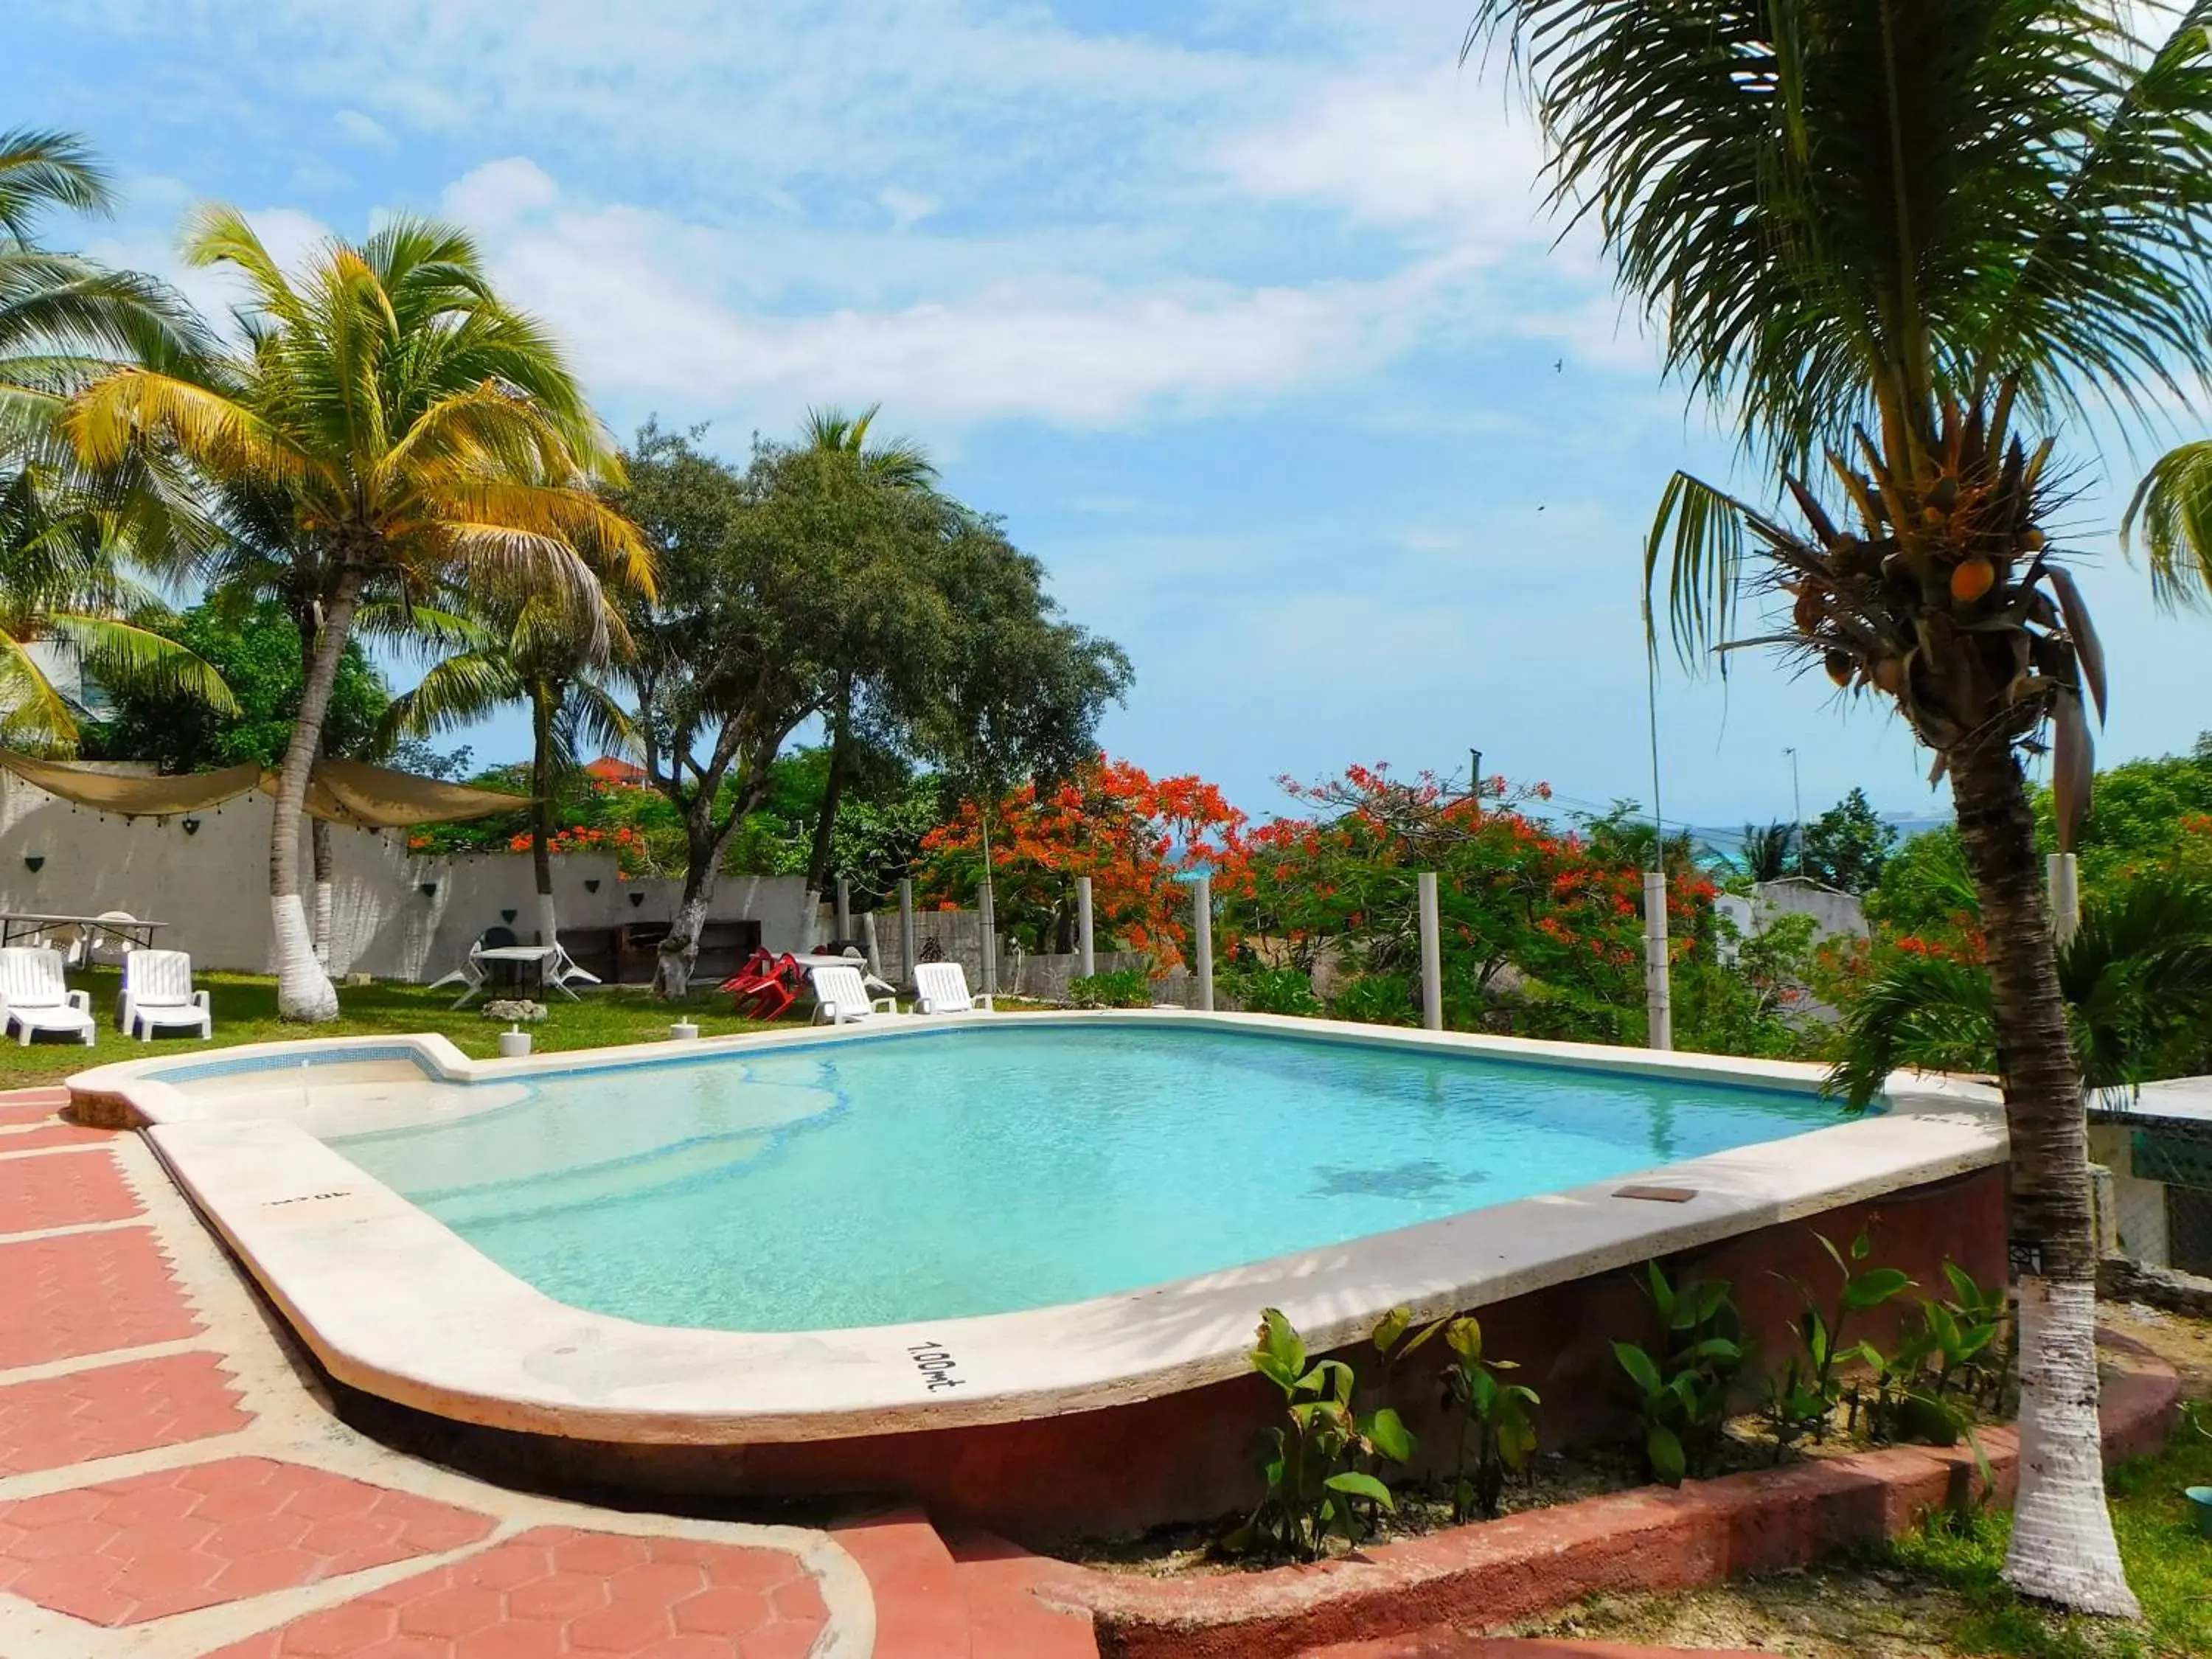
[981,1170]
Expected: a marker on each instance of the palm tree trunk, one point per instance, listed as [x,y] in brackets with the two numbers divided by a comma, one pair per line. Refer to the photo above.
[541,812]
[2063,1549]
[303,989]
[832,788]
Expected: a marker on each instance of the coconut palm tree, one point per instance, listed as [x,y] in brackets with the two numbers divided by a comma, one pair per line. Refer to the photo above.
[538,656]
[1906,239]
[427,436]
[68,542]
[1765,853]
[895,464]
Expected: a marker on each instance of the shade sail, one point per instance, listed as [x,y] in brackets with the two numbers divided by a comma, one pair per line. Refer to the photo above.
[374,798]
[351,793]
[132,796]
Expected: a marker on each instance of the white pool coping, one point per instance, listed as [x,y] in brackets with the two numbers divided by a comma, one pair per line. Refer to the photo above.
[393,1302]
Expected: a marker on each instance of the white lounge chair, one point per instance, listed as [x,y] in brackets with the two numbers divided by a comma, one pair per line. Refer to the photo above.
[840,997]
[941,987]
[157,990]
[38,999]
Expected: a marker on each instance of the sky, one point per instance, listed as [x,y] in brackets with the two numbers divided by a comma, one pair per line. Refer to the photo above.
[1246,317]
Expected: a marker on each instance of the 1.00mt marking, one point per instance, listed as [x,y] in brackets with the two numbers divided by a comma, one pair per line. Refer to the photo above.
[935,1363]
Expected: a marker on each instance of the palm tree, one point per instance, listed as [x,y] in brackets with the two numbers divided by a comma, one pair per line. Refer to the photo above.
[65,539]
[537,657]
[897,464]
[2137,978]
[427,438]
[1907,239]
[1766,854]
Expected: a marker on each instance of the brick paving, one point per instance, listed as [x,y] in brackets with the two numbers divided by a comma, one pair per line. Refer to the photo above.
[65,1190]
[110,1410]
[88,1293]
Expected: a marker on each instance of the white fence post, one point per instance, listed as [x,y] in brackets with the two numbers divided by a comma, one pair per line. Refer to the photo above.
[988,919]
[2065,879]
[1201,899]
[1432,963]
[906,932]
[844,909]
[1086,956]
[1658,999]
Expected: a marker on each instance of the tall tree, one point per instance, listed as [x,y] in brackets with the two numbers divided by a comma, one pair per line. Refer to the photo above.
[71,545]
[426,437]
[1909,238]
[1766,854]
[895,463]
[534,655]
[1847,845]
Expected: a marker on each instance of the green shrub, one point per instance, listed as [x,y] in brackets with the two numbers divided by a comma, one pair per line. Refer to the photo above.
[1271,991]
[1128,988]
[1379,999]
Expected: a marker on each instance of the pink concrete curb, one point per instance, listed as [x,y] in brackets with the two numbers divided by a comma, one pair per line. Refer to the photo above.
[1649,1540]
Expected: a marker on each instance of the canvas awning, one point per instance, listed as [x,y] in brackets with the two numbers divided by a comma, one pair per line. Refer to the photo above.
[351,793]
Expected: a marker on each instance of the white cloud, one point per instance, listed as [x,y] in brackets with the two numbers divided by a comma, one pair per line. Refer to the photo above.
[907,207]
[363,130]
[498,193]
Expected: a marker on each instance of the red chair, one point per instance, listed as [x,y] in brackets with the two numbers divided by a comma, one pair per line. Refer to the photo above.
[766,987]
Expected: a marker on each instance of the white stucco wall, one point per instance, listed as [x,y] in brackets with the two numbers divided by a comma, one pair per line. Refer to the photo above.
[212,887]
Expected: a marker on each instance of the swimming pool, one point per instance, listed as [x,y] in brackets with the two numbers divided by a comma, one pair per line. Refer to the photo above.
[992,1168]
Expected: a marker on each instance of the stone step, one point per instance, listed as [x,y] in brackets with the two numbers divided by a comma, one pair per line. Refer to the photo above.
[1007,1618]
[922,1602]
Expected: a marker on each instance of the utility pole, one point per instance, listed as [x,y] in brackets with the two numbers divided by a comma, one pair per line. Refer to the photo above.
[1474,773]
[1797,806]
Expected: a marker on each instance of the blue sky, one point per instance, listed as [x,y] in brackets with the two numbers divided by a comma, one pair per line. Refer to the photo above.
[1244,316]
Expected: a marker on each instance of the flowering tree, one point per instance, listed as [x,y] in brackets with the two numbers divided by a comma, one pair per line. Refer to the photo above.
[1138,838]
[1559,910]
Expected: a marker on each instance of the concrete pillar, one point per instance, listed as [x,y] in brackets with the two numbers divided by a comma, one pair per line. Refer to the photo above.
[1658,998]
[844,909]
[1086,956]
[2065,881]
[1432,954]
[1201,901]
[988,919]
[906,932]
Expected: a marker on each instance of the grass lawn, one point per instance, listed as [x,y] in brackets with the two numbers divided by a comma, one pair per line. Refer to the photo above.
[1936,1593]
[246,1012]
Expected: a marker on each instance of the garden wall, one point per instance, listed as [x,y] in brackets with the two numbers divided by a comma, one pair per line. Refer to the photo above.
[210,886]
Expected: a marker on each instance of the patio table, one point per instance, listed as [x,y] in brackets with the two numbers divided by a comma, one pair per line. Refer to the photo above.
[537,957]
[23,924]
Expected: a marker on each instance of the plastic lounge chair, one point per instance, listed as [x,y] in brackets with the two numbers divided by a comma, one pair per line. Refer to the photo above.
[157,990]
[38,999]
[941,987]
[842,998]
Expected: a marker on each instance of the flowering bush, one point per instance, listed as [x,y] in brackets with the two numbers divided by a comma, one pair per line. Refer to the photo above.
[1138,839]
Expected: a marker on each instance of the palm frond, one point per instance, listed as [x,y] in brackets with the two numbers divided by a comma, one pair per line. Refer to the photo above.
[2172,511]
[42,168]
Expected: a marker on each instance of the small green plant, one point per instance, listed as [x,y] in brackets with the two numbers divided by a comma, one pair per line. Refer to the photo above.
[1497,1435]
[1320,1466]
[1378,999]
[1970,1332]
[1127,987]
[1271,991]
[1802,1397]
[1683,1391]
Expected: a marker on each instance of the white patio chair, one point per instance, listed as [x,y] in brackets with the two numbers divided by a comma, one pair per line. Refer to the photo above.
[471,973]
[561,971]
[38,999]
[157,990]
[941,987]
[105,947]
[841,998]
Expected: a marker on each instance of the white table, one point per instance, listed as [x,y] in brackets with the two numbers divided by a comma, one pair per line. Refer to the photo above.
[538,956]
[23,924]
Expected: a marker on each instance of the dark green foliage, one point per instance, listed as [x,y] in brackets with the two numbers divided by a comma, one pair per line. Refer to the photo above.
[1683,1389]
[1128,987]
[1269,990]
[1847,846]
[257,654]
[1320,1468]
[1767,851]
[1379,999]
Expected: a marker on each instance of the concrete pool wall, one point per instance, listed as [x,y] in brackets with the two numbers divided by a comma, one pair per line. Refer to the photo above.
[1091,1416]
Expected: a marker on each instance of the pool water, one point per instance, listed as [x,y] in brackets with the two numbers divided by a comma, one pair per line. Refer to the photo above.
[983,1169]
